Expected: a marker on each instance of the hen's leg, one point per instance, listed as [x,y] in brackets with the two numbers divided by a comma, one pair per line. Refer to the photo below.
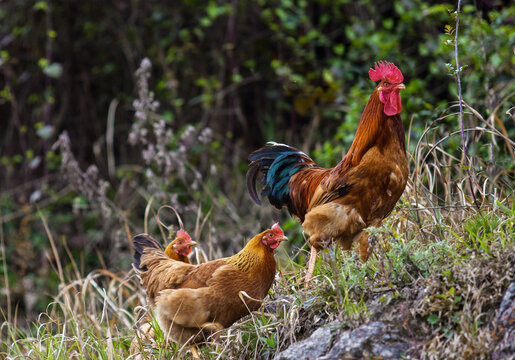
[194,352]
[212,326]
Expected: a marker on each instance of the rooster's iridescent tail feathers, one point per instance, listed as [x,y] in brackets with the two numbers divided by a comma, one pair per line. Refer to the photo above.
[278,163]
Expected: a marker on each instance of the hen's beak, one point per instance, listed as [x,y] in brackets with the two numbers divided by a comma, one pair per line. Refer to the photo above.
[192,243]
[282,238]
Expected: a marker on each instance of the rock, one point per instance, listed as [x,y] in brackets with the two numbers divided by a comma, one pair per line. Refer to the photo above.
[310,348]
[506,316]
[374,339]
[505,327]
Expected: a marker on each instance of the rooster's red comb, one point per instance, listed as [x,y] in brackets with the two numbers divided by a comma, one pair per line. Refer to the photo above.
[277,229]
[386,71]
[183,233]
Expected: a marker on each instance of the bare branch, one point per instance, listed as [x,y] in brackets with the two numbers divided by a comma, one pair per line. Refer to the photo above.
[458,79]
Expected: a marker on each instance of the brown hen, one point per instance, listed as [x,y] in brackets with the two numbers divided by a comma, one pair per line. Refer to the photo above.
[192,301]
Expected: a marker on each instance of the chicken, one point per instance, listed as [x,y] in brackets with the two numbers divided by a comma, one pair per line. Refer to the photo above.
[192,301]
[178,249]
[337,204]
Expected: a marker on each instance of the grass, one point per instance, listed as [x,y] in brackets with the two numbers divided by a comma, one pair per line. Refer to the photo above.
[464,275]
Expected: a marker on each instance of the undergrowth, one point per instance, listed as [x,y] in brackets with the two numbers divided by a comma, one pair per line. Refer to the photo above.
[461,276]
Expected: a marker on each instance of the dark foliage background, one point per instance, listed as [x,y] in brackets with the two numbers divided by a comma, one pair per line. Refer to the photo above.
[227,76]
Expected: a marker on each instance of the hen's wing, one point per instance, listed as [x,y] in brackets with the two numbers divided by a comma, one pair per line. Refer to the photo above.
[200,276]
[218,302]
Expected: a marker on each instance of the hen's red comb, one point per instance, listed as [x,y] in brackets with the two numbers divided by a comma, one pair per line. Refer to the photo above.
[387,71]
[277,229]
[183,233]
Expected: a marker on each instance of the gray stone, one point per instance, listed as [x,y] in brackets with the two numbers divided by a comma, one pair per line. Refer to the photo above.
[505,326]
[373,339]
[506,315]
[310,348]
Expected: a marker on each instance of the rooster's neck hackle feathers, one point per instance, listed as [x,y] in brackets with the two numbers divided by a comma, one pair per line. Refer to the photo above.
[366,133]
[374,128]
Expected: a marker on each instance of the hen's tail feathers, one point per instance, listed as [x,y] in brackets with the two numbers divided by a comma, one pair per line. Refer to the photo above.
[140,243]
[278,163]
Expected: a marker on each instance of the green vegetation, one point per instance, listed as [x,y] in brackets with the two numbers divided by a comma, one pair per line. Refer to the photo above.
[97,139]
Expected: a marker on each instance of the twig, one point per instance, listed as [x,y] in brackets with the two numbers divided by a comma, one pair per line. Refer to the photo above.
[111,167]
[458,79]
[5,270]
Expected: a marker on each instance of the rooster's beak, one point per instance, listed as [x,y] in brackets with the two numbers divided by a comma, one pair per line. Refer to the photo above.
[399,87]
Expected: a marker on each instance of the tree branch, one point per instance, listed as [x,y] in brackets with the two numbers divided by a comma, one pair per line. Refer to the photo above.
[458,79]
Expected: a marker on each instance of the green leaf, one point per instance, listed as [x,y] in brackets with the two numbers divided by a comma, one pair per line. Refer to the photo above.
[42,63]
[432,319]
[45,132]
[53,70]
[339,49]
[41,5]
[5,93]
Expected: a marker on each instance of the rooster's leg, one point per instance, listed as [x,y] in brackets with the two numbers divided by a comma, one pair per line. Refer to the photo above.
[311,266]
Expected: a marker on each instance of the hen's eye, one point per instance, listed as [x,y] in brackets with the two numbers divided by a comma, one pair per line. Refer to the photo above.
[386,84]
[269,234]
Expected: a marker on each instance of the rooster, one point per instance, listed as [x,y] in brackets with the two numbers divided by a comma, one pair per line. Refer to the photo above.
[338,204]
[193,301]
